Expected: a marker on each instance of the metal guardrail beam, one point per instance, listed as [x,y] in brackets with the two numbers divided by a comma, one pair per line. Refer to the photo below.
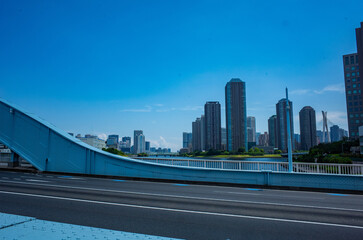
[325,168]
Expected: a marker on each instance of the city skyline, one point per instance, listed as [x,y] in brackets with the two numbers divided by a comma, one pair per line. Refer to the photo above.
[120,73]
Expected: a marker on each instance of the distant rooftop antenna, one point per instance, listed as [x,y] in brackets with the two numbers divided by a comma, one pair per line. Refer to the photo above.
[325,127]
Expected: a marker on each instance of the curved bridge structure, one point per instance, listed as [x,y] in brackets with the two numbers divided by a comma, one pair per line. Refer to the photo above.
[50,149]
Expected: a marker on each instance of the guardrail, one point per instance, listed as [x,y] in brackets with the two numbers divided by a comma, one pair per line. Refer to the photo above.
[342,169]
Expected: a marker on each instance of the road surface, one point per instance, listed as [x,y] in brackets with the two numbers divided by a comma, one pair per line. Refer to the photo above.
[182,210]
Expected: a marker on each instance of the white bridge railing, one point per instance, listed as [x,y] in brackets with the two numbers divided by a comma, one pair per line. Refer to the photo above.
[346,169]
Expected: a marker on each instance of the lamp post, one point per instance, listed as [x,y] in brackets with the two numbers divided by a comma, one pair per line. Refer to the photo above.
[289,143]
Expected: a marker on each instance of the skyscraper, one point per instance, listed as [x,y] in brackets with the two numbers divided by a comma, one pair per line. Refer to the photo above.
[281,124]
[223,139]
[212,125]
[187,139]
[140,145]
[353,87]
[112,141]
[197,137]
[307,127]
[202,133]
[272,131]
[251,129]
[136,141]
[236,122]
[127,141]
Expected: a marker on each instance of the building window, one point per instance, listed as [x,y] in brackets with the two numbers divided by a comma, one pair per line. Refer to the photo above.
[353,68]
[350,104]
[353,74]
[348,75]
[354,85]
[353,79]
[349,92]
[354,91]
[351,59]
[346,60]
[356,58]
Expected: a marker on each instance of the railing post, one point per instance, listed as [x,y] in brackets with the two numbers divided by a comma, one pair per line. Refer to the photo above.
[222,164]
[258,166]
[317,168]
[340,169]
[239,166]
[205,163]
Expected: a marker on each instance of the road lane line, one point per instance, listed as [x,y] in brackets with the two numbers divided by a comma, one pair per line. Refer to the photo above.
[188,197]
[35,180]
[184,210]
[242,193]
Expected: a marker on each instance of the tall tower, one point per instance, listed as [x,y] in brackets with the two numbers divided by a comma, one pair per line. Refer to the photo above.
[325,127]
[281,123]
[212,122]
[136,141]
[353,87]
[251,129]
[272,131]
[236,115]
[197,135]
[307,127]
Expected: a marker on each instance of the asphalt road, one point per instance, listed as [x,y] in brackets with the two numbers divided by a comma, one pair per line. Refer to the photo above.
[182,210]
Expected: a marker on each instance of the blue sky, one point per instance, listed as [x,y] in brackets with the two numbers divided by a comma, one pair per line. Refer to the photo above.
[106,67]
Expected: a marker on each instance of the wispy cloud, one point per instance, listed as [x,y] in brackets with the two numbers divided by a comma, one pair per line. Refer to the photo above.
[136,110]
[160,109]
[191,108]
[331,88]
[299,92]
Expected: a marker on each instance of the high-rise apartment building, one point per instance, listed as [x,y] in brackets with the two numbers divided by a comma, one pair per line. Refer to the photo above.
[272,131]
[197,135]
[202,133]
[251,129]
[281,123]
[263,140]
[187,139]
[307,128]
[223,138]
[236,115]
[147,146]
[353,87]
[140,144]
[212,125]
[136,141]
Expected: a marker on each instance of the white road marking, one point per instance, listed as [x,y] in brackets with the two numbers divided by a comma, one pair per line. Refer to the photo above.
[242,193]
[268,195]
[4,177]
[35,180]
[185,211]
[190,197]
